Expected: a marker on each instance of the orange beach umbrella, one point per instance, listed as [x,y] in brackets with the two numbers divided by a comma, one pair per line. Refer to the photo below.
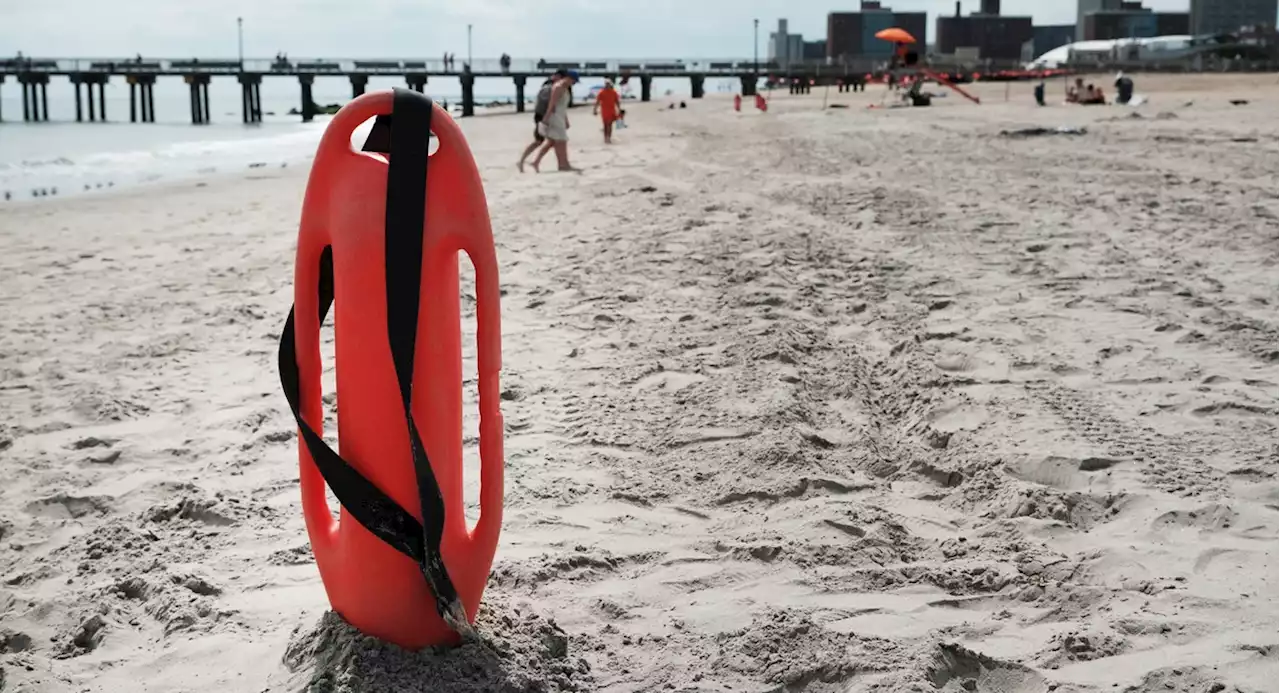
[896,35]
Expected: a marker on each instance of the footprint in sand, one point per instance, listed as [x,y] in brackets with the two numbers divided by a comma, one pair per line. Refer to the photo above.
[1209,517]
[65,507]
[955,667]
[669,381]
[957,417]
[1065,473]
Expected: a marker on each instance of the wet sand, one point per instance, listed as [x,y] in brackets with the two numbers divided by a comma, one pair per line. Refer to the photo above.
[843,400]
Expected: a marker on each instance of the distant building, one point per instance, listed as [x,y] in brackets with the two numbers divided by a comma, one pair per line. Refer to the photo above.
[1046,38]
[1228,16]
[1132,20]
[1084,7]
[785,48]
[815,50]
[852,34]
[992,36]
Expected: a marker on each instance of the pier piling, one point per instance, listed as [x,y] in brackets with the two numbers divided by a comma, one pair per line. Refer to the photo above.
[308,106]
[696,86]
[646,87]
[416,82]
[141,99]
[468,95]
[35,97]
[250,100]
[199,98]
[75,84]
[358,84]
[519,93]
[146,87]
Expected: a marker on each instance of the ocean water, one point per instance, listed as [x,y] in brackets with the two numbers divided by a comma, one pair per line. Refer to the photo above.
[63,157]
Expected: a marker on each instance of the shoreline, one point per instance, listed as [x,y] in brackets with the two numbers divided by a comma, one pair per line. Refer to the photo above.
[296,156]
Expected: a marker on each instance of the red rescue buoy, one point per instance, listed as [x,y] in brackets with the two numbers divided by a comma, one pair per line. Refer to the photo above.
[380,238]
[737,102]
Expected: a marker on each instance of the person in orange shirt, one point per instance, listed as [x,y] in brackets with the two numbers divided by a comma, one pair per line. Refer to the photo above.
[607,106]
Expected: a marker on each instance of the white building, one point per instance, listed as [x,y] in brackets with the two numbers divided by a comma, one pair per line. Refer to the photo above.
[1158,48]
[1229,16]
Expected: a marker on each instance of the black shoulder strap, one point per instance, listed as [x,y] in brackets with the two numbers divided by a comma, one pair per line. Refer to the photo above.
[405,218]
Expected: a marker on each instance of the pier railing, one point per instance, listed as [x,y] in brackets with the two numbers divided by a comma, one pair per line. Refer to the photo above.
[394,66]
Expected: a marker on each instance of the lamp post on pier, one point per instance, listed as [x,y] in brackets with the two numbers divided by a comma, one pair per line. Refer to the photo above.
[755,48]
[469,46]
[240,40]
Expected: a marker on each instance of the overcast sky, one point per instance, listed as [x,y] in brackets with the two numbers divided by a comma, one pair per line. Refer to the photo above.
[427,28]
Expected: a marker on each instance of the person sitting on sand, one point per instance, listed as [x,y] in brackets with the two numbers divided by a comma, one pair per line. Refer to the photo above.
[903,56]
[1092,96]
[1076,92]
[1124,88]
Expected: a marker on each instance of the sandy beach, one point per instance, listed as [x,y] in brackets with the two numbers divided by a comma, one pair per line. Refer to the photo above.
[844,400]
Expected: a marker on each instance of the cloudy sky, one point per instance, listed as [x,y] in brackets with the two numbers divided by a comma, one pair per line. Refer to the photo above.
[427,28]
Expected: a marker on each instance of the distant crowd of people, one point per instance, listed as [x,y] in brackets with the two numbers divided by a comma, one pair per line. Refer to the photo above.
[1090,95]
[1085,94]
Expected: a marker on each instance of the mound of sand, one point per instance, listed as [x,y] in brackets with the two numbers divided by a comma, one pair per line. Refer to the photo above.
[518,652]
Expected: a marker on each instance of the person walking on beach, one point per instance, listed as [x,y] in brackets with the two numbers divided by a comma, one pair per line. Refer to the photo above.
[555,123]
[540,104]
[607,107]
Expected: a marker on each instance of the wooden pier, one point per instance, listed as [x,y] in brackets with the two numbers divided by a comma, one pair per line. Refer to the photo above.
[34,75]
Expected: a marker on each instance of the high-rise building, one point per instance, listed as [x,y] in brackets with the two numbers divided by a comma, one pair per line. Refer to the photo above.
[852,34]
[1084,7]
[1046,38]
[784,47]
[1132,20]
[1130,23]
[1228,16]
[995,36]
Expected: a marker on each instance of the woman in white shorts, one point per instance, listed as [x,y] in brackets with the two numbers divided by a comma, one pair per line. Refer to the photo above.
[555,124]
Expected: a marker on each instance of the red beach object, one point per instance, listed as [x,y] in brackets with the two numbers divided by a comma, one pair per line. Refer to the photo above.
[380,238]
